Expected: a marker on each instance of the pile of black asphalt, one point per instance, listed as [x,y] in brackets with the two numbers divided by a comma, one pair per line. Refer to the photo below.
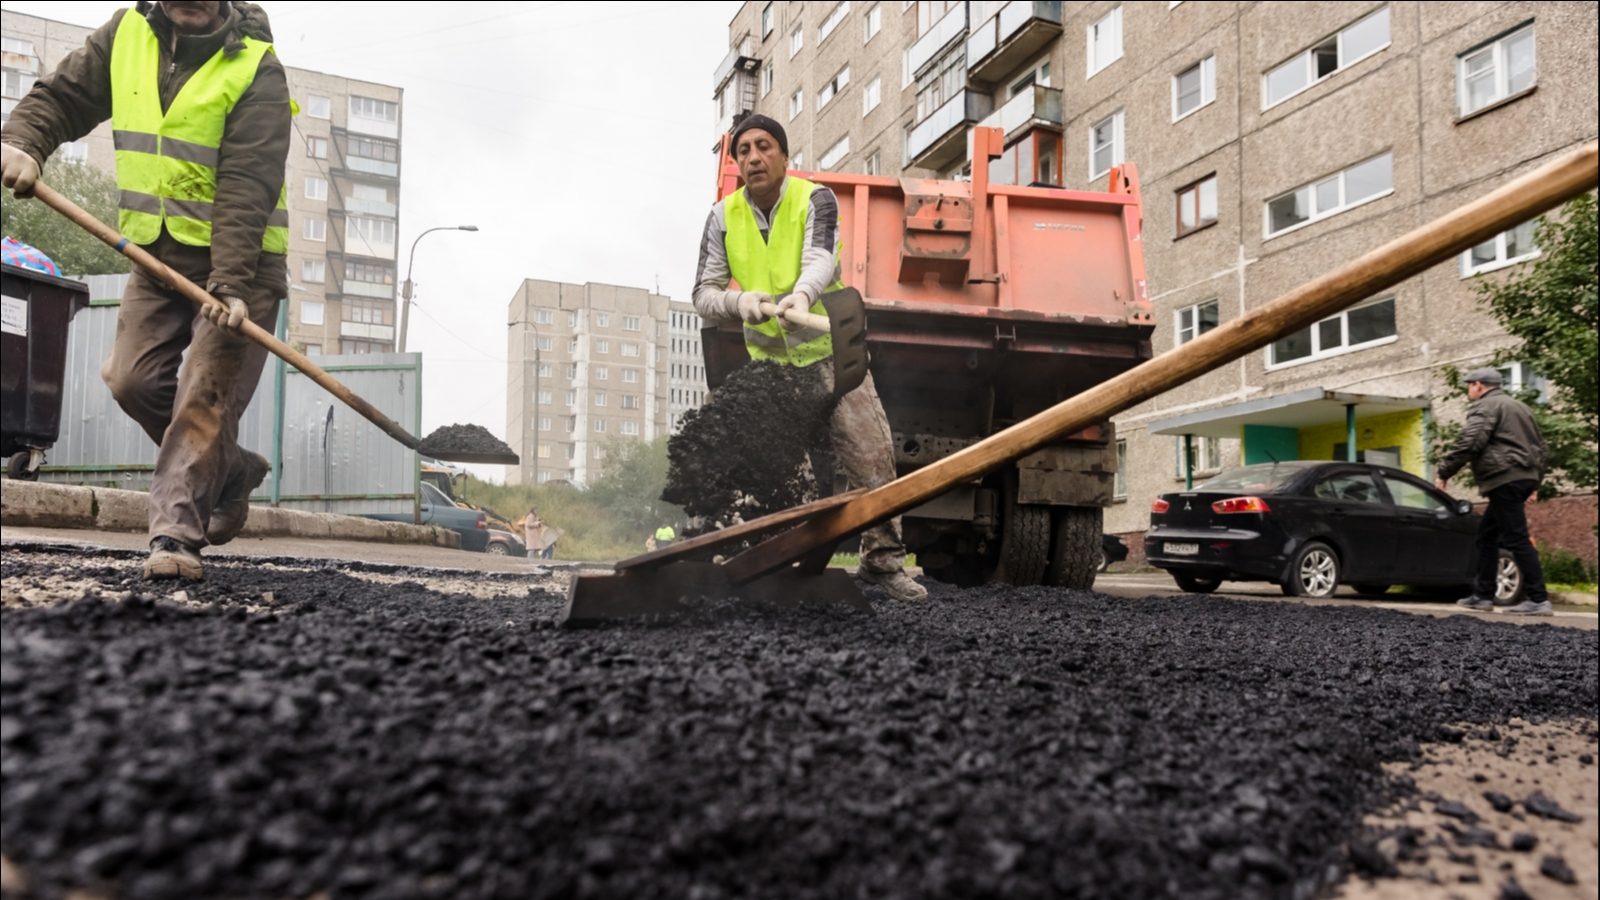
[453,439]
[381,740]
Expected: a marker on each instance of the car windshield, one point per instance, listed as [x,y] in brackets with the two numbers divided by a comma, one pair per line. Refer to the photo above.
[1260,478]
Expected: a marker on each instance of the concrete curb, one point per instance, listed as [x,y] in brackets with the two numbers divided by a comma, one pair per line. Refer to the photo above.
[43,505]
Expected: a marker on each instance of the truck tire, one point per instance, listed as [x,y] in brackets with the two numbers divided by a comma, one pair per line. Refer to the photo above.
[1024,545]
[1077,549]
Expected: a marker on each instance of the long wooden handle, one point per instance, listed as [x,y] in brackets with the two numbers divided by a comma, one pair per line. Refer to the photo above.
[250,329]
[1408,255]
[799,317]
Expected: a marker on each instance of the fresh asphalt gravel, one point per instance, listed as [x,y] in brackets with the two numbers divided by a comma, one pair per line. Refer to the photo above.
[386,740]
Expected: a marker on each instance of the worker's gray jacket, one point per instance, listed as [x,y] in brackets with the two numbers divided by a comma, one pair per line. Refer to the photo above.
[1501,440]
[819,265]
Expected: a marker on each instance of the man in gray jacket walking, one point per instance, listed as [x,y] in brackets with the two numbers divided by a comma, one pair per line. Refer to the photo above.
[1501,440]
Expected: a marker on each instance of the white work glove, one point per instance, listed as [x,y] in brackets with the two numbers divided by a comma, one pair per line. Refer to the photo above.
[228,315]
[750,307]
[18,170]
[798,300]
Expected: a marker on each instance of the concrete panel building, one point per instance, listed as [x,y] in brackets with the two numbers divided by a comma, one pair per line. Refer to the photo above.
[343,185]
[686,371]
[587,363]
[1272,140]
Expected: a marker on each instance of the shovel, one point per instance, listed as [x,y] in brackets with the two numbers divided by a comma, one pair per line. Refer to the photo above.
[255,332]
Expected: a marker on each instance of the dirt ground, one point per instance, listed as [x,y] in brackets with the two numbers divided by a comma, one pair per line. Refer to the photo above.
[1457,856]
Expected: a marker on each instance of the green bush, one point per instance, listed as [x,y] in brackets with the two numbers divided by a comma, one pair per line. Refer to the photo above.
[1561,567]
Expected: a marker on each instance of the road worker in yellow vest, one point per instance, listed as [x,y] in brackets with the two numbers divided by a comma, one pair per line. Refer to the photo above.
[200,117]
[778,237]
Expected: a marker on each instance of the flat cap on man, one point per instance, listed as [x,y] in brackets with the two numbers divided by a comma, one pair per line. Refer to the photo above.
[1485,376]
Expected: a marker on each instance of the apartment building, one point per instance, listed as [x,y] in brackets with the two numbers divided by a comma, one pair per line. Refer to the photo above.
[342,180]
[686,372]
[1272,141]
[587,363]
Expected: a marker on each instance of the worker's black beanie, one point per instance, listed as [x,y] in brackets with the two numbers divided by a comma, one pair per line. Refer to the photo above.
[763,123]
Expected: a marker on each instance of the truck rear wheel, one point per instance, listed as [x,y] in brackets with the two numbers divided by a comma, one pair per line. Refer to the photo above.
[1077,550]
[1024,539]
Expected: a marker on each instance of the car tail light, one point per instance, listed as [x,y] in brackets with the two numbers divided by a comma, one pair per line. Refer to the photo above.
[1241,505]
[482,523]
[1160,505]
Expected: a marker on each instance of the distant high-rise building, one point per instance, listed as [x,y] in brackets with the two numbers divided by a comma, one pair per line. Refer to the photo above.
[686,372]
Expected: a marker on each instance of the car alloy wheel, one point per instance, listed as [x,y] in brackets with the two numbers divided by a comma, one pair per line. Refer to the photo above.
[1317,571]
[1507,580]
[496,548]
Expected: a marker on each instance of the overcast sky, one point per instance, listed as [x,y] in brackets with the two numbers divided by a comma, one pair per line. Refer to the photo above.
[576,136]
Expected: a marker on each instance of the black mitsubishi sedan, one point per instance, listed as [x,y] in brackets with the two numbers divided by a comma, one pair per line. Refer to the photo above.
[1311,526]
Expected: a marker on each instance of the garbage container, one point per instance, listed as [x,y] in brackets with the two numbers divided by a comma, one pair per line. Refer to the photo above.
[33,363]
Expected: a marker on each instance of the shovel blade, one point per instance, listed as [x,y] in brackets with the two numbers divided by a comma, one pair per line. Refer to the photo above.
[680,588]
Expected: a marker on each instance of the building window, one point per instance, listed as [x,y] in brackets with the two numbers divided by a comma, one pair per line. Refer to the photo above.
[544,451]
[766,79]
[631,401]
[1494,72]
[317,147]
[1207,454]
[370,273]
[601,373]
[316,188]
[1338,192]
[1353,329]
[630,376]
[377,110]
[369,234]
[544,422]
[1193,321]
[630,323]
[1105,145]
[1334,54]
[798,162]
[1194,87]
[546,371]
[599,426]
[1197,205]
[1105,41]
[835,85]
[315,229]
[572,398]
[797,40]
[602,320]
[546,397]
[1039,75]
[599,398]
[313,350]
[368,312]
[874,164]
[355,347]
[572,346]
[1504,249]
[311,312]
[602,346]
[832,21]
[572,371]
[836,153]
[766,21]
[630,428]
[572,319]
[318,107]
[1119,481]
[871,96]
[544,343]
[572,426]
[597,451]
[945,79]
[544,316]
[874,23]
[373,148]
[313,271]
[630,349]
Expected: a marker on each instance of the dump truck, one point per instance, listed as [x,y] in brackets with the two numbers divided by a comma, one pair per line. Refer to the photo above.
[986,304]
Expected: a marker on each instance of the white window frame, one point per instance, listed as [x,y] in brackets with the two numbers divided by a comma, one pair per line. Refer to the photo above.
[798,162]
[599,398]
[547,370]
[312,312]
[1305,58]
[316,188]
[387,110]
[544,316]
[315,229]
[1208,86]
[544,343]
[1318,215]
[629,349]
[546,397]
[601,345]
[630,376]
[572,398]
[602,320]
[314,271]
[833,88]
[1111,25]
[871,96]
[1500,259]
[1502,71]
[1179,332]
[873,23]
[768,20]
[797,40]
[600,428]
[601,373]
[832,20]
[797,104]
[630,428]
[1207,454]
[874,164]
[572,319]
[835,154]
[312,104]
[1319,353]
[767,76]
[1038,74]
[630,323]
[1118,147]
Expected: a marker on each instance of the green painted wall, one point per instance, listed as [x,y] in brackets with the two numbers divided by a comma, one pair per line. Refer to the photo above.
[1257,441]
[1402,429]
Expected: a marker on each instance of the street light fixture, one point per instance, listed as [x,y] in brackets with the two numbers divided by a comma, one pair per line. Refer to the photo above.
[405,288]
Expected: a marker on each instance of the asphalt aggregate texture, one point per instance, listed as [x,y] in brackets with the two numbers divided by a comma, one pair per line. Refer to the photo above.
[747,452]
[463,439]
[390,741]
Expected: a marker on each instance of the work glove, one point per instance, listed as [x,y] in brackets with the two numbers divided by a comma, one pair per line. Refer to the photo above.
[798,300]
[750,307]
[18,170]
[228,315]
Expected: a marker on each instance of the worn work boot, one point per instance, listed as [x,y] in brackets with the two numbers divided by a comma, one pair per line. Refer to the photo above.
[899,585]
[1476,603]
[171,558]
[1530,608]
[233,507]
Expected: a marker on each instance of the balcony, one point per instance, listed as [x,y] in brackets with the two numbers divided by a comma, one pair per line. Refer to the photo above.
[366,331]
[735,61]
[1035,107]
[941,138]
[368,289]
[372,166]
[369,207]
[1007,39]
[946,32]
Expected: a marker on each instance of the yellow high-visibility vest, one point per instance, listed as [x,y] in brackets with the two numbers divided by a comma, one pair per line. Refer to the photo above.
[167,162]
[772,266]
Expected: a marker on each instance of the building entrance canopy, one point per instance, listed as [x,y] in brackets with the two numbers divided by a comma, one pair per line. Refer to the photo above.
[1300,409]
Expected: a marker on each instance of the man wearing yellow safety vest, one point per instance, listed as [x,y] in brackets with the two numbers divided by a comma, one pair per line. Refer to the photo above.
[778,237]
[665,535]
[200,113]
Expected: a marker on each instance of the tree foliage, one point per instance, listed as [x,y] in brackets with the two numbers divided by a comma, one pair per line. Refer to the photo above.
[632,477]
[74,250]
[1551,307]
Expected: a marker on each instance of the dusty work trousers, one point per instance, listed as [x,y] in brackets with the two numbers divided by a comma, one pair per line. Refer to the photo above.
[863,448]
[191,411]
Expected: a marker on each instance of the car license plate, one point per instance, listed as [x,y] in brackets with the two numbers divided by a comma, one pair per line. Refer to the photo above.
[1181,549]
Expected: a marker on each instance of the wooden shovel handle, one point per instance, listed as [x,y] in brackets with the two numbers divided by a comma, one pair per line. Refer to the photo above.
[250,329]
[799,317]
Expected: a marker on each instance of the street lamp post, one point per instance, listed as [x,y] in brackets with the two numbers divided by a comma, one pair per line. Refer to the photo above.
[405,288]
